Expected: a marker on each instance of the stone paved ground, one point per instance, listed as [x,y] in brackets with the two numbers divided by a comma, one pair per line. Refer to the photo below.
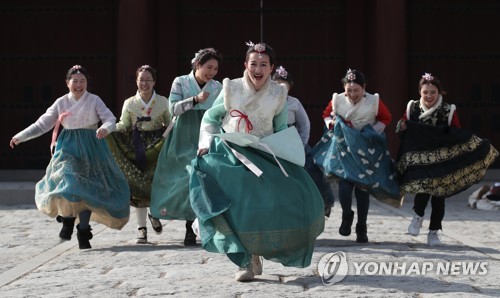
[33,263]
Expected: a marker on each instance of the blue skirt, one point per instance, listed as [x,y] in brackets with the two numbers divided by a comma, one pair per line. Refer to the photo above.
[360,157]
[83,175]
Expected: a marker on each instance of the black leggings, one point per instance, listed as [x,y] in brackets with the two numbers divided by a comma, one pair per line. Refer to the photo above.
[362,200]
[437,213]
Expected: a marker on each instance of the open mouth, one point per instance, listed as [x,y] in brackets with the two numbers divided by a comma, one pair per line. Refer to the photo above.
[258,77]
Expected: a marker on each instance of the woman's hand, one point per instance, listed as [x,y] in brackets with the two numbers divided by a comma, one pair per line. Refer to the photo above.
[202,151]
[101,133]
[14,142]
[202,96]
[402,126]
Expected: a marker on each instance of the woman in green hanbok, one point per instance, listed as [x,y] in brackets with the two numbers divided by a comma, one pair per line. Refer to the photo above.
[252,203]
[191,95]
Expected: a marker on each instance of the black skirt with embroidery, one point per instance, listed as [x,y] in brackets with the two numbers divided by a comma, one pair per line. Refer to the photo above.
[441,160]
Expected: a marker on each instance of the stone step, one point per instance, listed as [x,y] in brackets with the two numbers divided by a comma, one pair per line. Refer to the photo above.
[21,192]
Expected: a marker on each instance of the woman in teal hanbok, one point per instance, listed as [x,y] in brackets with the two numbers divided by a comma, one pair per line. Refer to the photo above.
[82,179]
[252,203]
[191,95]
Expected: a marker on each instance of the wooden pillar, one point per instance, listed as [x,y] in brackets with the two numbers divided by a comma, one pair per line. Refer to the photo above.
[387,58]
[136,45]
[168,49]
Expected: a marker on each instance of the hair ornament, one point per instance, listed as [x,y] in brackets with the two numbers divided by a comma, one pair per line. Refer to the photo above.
[259,48]
[351,76]
[428,77]
[282,72]
[77,68]
[196,56]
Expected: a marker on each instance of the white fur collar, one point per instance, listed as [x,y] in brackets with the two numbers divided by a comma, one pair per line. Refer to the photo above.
[427,112]
[248,86]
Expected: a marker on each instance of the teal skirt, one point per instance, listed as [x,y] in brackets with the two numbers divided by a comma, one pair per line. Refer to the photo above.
[360,157]
[240,214]
[170,188]
[82,175]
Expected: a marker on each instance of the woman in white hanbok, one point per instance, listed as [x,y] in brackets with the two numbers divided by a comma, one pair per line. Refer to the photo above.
[82,179]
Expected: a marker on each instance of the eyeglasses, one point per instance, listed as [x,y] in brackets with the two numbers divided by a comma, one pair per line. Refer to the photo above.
[145,81]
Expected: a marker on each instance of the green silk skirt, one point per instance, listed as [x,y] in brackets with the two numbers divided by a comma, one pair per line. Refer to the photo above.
[170,189]
[240,214]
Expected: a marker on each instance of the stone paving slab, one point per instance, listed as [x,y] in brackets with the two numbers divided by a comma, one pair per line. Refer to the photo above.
[34,263]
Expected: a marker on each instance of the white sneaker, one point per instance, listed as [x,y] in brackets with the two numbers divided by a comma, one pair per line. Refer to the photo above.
[142,236]
[415,225]
[433,238]
[256,265]
[244,274]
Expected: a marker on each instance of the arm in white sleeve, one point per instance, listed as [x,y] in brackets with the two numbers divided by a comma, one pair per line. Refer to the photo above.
[106,116]
[45,123]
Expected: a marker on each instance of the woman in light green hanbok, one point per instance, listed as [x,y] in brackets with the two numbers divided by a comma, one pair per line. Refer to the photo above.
[249,202]
[137,142]
[191,95]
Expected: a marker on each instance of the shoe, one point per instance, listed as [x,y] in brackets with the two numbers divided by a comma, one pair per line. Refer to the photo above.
[361,236]
[244,274]
[345,226]
[67,228]
[328,210]
[415,225]
[190,237]
[142,236]
[433,238]
[256,265]
[83,237]
[155,222]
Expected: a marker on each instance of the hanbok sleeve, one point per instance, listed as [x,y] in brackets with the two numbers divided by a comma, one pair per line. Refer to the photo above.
[302,123]
[178,103]
[211,122]
[327,115]
[383,117]
[125,123]
[280,121]
[107,118]
[454,122]
[45,123]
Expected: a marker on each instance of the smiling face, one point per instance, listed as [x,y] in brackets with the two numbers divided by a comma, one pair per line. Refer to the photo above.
[429,94]
[354,92]
[259,68]
[145,83]
[77,84]
[207,71]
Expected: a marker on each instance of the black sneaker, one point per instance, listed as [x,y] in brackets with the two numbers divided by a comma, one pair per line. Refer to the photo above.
[142,236]
[156,224]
